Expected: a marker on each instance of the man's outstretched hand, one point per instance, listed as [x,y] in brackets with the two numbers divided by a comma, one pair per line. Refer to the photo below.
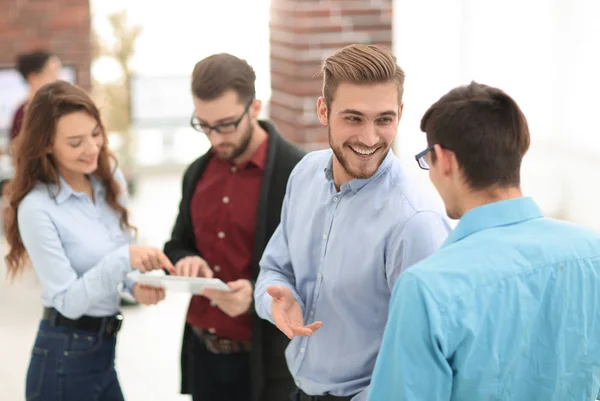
[287,314]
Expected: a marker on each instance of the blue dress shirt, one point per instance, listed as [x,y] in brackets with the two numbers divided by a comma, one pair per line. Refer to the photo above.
[77,247]
[340,253]
[508,309]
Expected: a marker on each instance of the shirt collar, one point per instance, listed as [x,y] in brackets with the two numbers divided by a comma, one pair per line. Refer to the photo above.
[496,214]
[63,190]
[357,183]
[258,158]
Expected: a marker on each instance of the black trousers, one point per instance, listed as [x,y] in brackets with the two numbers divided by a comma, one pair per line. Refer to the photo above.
[220,377]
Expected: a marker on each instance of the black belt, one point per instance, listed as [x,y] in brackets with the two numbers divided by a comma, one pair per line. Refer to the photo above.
[302,396]
[221,345]
[108,325]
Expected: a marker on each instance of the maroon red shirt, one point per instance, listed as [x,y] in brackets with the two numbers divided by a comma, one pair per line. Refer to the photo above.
[17,121]
[223,212]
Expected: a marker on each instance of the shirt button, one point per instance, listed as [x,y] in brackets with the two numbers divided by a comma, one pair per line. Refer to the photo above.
[212,330]
[335,198]
[233,169]
[217,268]
[221,234]
[324,236]
[312,312]
[226,199]
[297,383]
[302,349]
[319,276]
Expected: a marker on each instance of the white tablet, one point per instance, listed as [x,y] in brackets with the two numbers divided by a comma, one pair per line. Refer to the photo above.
[190,285]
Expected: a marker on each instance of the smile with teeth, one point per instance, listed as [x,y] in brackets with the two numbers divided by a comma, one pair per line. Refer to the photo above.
[363,151]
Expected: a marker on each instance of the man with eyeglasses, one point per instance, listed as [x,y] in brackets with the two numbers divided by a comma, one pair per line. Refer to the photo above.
[230,207]
[508,308]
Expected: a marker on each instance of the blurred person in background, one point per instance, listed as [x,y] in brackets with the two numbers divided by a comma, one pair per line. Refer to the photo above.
[509,307]
[37,69]
[230,207]
[68,216]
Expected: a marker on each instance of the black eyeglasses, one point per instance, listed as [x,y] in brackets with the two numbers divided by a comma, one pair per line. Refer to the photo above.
[420,158]
[225,128]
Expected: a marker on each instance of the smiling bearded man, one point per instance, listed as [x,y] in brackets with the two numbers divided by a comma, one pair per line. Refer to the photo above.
[351,222]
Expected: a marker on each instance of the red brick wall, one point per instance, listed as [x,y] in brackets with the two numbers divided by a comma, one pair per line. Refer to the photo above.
[303,33]
[61,26]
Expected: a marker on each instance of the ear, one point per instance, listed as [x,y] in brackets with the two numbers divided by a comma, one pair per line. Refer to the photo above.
[400,110]
[322,111]
[445,161]
[255,108]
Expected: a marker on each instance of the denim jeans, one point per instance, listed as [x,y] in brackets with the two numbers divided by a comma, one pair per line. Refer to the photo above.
[72,365]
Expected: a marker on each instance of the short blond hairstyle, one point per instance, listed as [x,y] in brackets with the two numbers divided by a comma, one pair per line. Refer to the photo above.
[361,65]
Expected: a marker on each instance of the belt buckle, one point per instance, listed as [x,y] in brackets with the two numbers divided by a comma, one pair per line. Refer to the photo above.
[114,324]
[225,346]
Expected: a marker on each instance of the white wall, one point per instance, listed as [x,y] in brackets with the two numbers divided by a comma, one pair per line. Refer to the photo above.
[544,53]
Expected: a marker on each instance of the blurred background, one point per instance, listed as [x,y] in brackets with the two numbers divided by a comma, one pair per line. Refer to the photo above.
[136,58]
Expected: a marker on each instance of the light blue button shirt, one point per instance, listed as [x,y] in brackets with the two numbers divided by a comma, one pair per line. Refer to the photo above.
[341,253]
[77,247]
[508,309]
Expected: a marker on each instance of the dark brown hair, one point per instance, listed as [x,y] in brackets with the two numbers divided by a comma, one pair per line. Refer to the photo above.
[221,72]
[34,165]
[33,62]
[486,130]
[361,65]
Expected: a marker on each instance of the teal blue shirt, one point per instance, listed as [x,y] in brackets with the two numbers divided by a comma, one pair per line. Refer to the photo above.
[507,309]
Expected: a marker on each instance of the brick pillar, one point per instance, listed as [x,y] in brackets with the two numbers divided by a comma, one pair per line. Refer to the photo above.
[303,33]
[61,26]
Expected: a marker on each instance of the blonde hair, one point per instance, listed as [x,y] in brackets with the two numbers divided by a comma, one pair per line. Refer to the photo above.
[362,65]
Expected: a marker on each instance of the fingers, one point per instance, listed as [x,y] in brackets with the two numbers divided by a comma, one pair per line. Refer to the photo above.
[281,323]
[205,271]
[184,268]
[149,295]
[164,262]
[217,296]
[181,267]
[239,285]
[146,264]
[192,266]
[145,259]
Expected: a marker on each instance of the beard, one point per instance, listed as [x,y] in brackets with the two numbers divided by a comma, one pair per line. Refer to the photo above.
[360,170]
[239,149]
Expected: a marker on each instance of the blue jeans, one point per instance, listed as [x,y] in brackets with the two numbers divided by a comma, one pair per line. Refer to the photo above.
[72,365]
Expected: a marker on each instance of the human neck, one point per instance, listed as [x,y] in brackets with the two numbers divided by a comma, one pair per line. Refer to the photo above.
[259,135]
[77,181]
[479,198]
[340,175]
